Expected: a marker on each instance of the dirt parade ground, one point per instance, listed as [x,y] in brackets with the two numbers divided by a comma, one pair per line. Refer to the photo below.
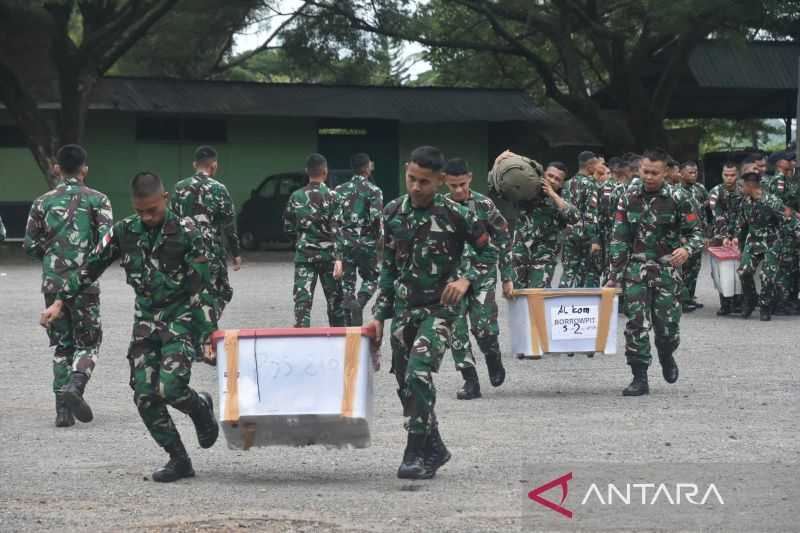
[736,402]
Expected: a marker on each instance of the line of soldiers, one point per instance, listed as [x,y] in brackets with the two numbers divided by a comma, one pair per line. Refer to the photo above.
[174,255]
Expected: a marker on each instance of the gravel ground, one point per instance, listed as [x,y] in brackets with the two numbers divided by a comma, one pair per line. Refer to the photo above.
[736,401]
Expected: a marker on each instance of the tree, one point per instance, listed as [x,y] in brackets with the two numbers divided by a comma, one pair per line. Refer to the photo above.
[566,50]
[63,47]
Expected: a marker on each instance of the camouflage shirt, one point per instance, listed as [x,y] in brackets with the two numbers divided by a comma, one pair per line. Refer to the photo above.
[64,226]
[209,204]
[648,226]
[167,267]
[607,198]
[698,195]
[540,222]
[359,205]
[787,189]
[724,206]
[484,209]
[310,219]
[761,218]
[425,250]
[581,191]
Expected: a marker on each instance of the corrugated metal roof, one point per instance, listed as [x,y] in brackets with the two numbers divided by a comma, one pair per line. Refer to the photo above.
[750,65]
[405,104]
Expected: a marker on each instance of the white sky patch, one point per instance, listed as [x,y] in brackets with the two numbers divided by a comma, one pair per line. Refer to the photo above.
[255,34]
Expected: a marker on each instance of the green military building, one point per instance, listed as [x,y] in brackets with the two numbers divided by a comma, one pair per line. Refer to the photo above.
[259,129]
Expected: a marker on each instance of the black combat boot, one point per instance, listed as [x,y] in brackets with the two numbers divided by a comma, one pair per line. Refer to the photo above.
[178,467]
[202,414]
[639,384]
[64,418]
[765,313]
[73,397]
[436,454]
[413,466]
[669,368]
[725,306]
[471,388]
[494,361]
[737,303]
[749,297]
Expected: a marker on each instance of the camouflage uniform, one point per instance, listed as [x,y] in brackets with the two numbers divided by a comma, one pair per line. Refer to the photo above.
[763,220]
[581,267]
[691,269]
[607,199]
[168,269]
[648,227]
[359,204]
[209,204]
[310,219]
[424,251]
[724,206]
[480,302]
[788,191]
[64,226]
[535,248]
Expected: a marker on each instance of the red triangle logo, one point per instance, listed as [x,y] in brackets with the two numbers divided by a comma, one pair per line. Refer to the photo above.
[562,482]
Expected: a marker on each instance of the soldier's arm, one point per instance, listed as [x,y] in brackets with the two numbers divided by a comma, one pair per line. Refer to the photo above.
[384,303]
[336,222]
[690,229]
[35,232]
[376,215]
[103,217]
[501,234]
[105,253]
[289,221]
[479,258]
[621,237]
[568,214]
[592,216]
[203,303]
[228,223]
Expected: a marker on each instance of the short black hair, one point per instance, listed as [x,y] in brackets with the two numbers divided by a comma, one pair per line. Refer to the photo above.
[730,164]
[71,157]
[657,154]
[360,161]
[456,167]
[751,177]
[205,155]
[315,164]
[428,157]
[585,156]
[146,184]
[615,163]
[689,163]
[558,165]
[750,159]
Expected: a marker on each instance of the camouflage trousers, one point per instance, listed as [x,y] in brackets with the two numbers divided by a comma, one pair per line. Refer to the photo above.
[419,340]
[363,261]
[160,357]
[534,266]
[652,302]
[76,335]
[581,267]
[691,271]
[481,309]
[767,256]
[788,272]
[221,283]
[305,282]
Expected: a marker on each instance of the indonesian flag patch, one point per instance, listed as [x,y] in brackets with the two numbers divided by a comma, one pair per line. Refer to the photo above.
[691,217]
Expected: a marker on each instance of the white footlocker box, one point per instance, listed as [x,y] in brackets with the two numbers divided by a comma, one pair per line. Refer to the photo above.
[724,263]
[295,386]
[563,321]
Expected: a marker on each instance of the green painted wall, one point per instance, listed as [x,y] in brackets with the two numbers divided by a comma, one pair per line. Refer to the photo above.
[467,140]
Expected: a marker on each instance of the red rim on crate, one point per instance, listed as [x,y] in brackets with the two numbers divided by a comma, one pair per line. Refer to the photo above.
[724,252]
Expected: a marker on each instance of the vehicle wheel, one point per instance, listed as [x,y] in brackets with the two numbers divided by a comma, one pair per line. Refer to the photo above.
[248,241]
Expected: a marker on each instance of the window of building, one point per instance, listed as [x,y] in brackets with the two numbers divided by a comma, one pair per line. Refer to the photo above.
[181,129]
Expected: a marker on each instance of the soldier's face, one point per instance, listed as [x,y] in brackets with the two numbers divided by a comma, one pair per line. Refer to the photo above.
[761,165]
[653,174]
[750,188]
[689,175]
[729,176]
[784,167]
[151,209]
[555,178]
[459,186]
[601,173]
[422,184]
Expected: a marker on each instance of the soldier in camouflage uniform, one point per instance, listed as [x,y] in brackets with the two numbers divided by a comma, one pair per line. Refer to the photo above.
[724,201]
[481,307]
[539,224]
[209,204]
[359,207]
[761,215]
[785,184]
[607,198]
[656,230]
[64,226]
[691,270]
[426,271]
[581,248]
[166,264]
[310,219]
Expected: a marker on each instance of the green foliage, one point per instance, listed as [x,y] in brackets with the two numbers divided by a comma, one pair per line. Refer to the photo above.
[719,135]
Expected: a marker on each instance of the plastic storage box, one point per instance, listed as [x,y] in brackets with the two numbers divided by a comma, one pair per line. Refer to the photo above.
[724,262]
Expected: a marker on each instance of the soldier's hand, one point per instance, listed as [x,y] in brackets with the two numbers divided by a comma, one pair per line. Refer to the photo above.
[726,242]
[377,340]
[338,271]
[611,284]
[596,248]
[735,242]
[547,187]
[504,155]
[454,291]
[679,256]
[508,289]
[237,263]
[51,313]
